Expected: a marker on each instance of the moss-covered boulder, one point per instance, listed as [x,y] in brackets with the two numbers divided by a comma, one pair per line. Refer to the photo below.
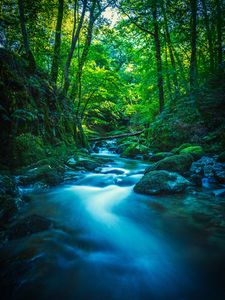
[177,150]
[195,151]
[46,174]
[88,164]
[159,156]
[134,150]
[29,225]
[161,182]
[176,163]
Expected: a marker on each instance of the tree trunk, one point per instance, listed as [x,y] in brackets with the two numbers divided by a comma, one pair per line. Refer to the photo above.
[75,36]
[172,59]
[158,58]
[209,35]
[26,44]
[56,54]
[76,90]
[193,60]
[219,33]
[117,136]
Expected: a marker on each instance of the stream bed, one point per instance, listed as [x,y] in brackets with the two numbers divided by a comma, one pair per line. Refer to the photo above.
[111,243]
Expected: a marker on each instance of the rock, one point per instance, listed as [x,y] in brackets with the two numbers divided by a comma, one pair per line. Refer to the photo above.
[208,167]
[219,172]
[176,163]
[8,208]
[219,193]
[71,162]
[28,226]
[195,151]
[114,171]
[8,186]
[183,146]
[45,174]
[134,149]
[9,198]
[89,165]
[196,179]
[221,157]
[161,182]
[159,156]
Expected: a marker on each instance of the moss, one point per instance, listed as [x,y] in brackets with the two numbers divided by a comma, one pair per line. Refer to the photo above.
[27,149]
[159,156]
[176,163]
[195,151]
[134,149]
[181,147]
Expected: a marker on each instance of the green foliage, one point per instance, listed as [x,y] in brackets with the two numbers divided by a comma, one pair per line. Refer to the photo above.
[27,149]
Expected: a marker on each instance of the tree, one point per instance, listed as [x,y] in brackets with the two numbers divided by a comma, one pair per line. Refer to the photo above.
[26,43]
[193,60]
[56,54]
[75,37]
[158,57]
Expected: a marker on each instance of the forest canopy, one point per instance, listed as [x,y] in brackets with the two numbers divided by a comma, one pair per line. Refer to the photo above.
[73,70]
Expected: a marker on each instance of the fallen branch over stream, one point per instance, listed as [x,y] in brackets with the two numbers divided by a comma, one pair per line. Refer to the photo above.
[117,136]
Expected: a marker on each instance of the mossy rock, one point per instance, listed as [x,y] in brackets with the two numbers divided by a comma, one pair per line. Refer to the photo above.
[195,151]
[161,182]
[177,163]
[45,174]
[134,149]
[89,165]
[159,156]
[221,157]
[177,150]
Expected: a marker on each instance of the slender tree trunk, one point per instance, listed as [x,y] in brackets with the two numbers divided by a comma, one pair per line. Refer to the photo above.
[26,44]
[76,91]
[193,61]
[169,88]
[56,54]
[172,59]
[75,36]
[158,58]
[219,33]
[209,35]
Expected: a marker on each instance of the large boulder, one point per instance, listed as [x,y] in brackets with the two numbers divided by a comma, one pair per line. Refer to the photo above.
[90,165]
[45,174]
[135,150]
[208,167]
[29,225]
[161,182]
[9,199]
[177,150]
[195,151]
[176,163]
[159,156]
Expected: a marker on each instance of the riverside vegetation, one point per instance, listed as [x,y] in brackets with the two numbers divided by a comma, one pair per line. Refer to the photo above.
[99,93]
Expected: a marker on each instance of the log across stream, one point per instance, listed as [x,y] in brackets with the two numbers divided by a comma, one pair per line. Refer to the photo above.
[110,243]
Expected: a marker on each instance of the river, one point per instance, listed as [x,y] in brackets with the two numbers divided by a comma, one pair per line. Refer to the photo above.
[111,243]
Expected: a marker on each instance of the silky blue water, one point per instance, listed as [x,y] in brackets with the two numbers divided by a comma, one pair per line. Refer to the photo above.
[110,243]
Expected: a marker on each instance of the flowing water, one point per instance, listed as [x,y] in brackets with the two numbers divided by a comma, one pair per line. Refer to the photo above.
[110,243]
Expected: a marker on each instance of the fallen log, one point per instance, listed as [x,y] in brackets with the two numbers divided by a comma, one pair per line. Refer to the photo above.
[117,136]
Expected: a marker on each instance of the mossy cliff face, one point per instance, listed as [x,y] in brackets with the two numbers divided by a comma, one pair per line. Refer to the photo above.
[30,112]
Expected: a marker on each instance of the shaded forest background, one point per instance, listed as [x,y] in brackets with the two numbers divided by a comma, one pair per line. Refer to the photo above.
[74,70]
